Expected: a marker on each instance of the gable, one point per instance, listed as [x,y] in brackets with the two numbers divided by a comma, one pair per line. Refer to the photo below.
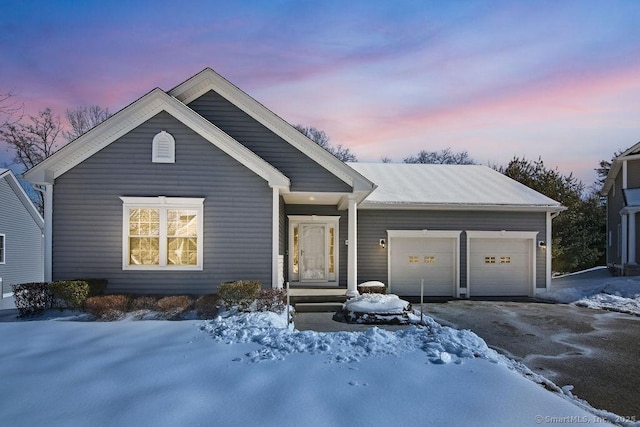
[208,80]
[632,153]
[305,174]
[16,201]
[133,116]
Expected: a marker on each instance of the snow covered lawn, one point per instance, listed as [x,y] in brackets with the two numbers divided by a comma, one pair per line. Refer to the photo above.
[250,370]
[589,289]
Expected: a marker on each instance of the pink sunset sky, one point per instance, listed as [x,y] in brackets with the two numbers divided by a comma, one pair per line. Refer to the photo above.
[553,79]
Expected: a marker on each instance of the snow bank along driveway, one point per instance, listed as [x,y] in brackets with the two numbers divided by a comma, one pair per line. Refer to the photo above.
[593,350]
[249,370]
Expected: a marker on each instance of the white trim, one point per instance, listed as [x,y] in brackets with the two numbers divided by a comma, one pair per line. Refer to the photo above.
[163,203]
[275,238]
[624,174]
[632,237]
[435,234]
[424,233]
[3,246]
[208,79]
[23,196]
[331,221]
[458,207]
[623,241]
[133,116]
[527,235]
[7,295]
[48,232]
[166,139]
[352,249]
[549,238]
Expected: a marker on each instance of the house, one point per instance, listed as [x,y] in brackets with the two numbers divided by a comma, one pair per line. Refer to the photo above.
[186,189]
[622,190]
[21,236]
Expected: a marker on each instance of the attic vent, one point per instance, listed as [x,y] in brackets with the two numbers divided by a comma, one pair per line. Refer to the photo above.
[164,148]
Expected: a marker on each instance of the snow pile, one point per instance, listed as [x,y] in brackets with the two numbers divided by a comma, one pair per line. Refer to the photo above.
[377,303]
[440,343]
[620,294]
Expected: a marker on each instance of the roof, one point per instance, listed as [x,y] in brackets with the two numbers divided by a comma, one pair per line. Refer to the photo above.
[13,182]
[208,79]
[134,115]
[426,186]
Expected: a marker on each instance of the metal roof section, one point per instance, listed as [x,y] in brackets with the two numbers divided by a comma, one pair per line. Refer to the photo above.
[421,186]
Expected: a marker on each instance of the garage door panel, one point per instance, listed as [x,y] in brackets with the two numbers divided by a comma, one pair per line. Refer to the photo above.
[500,267]
[415,259]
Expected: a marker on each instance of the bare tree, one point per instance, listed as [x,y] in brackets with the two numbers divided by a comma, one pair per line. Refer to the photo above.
[83,118]
[386,159]
[442,157]
[33,142]
[320,137]
[10,110]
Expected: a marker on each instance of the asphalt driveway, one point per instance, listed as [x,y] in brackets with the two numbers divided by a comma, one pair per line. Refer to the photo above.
[598,352]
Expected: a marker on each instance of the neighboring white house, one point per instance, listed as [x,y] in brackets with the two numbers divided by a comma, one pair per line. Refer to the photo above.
[21,236]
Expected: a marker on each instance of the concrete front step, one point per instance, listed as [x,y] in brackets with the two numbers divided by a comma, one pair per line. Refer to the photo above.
[318,307]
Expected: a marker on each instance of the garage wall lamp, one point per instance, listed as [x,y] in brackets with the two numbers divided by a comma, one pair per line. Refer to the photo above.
[383,243]
[542,244]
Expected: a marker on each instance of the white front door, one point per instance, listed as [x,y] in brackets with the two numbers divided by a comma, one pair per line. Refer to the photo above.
[313,249]
[313,266]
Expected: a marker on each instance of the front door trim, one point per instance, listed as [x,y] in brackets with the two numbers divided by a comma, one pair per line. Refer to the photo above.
[331,222]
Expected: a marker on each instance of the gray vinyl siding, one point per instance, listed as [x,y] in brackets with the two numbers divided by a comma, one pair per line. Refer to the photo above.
[305,174]
[373,226]
[343,225]
[633,173]
[23,246]
[615,203]
[87,218]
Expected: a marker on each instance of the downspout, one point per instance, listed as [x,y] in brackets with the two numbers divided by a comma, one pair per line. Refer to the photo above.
[48,229]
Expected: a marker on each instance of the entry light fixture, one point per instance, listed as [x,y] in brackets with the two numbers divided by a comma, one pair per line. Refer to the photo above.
[382,243]
[542,244]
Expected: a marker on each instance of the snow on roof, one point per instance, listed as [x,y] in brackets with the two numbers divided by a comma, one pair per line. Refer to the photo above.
[451,185]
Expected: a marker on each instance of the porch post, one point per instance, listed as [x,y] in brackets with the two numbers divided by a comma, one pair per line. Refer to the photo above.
[624,244]
[632,237]
[275,239]
[48,231]
[352,250]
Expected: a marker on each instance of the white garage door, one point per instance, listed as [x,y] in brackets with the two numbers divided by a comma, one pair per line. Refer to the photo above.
[500,267]
[415,258]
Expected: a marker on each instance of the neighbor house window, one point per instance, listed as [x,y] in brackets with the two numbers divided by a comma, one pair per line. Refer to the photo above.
[489,260]
[429,260]
[162,233]
[2,248]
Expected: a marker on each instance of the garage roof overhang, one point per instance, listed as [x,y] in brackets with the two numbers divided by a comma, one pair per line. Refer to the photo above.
[461,207]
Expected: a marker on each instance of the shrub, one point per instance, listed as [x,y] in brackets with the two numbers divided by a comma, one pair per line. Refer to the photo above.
[69,294]
[240,294]
[174,307]
[96,286]
[107,307]
[144,302]
[32,299]
[271,300]
[207,306]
